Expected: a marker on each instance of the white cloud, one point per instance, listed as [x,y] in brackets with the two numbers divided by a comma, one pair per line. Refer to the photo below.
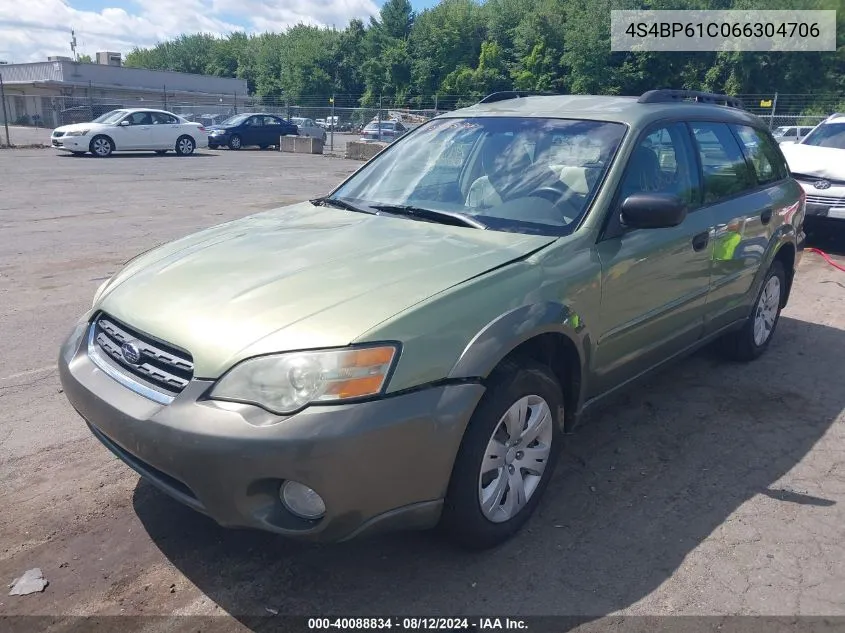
[30,31]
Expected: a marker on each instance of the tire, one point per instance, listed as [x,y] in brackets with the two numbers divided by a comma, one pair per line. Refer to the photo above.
[235,142]
[753,339]
[161,152]
[101,146]
[185,145]
[464,521]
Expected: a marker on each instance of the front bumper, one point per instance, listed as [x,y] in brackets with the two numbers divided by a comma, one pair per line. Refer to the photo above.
[71,143]
[217,140]
[379,465]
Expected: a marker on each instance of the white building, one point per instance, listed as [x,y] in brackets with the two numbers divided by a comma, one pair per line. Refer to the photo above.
[50,91]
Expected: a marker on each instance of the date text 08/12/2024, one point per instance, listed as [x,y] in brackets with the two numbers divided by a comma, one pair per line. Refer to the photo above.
[413,624]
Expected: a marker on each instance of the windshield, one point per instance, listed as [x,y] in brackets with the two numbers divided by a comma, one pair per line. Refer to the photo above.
[110,117]
[235,120]
[827,135]
[515,174]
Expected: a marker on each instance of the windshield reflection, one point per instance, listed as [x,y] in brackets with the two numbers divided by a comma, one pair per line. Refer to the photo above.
[519,174]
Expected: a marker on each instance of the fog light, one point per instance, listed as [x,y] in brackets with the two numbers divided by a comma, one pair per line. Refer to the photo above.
[302,501]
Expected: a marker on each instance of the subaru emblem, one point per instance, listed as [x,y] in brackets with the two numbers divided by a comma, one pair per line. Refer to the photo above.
[131,352]
[822,184]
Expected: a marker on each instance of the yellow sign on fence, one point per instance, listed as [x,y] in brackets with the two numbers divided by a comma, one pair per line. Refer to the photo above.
[766,103]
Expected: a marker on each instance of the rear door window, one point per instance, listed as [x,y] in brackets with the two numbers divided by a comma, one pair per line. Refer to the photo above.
[724,169]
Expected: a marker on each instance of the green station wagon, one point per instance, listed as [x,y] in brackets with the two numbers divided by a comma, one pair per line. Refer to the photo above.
[410,350]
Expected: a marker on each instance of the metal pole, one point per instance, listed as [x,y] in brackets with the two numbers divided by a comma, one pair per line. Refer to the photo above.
[235,94]
[435,105]
[165,97]
[5,114]
[379,118]
[91,98]
[331,142]
[774,107]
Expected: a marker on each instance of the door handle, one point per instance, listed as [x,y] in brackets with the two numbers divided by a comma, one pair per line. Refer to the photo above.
[700,241]
[766,216]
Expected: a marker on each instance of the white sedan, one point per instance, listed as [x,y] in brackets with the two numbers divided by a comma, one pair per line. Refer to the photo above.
[131,130]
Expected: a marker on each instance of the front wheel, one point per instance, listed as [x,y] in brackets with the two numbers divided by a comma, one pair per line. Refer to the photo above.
[185,146]
[101,146]
[506,457]
[235,142]
[753,339]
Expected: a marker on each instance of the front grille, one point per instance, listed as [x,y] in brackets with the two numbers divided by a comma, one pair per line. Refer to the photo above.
[831,200]
[161,366]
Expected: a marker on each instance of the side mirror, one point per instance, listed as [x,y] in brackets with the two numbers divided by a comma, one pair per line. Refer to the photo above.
[653,211]
[124,123]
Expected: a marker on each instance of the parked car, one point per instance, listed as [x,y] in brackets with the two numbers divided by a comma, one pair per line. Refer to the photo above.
[251,129]
[390,131]
[791,133]
[133,129]
[409,349]
[818,163]
[308,127]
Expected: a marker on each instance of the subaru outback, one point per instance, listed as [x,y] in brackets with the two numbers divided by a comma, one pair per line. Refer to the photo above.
[410,350]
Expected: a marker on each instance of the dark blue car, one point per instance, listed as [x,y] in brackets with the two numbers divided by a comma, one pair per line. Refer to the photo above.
[243,130]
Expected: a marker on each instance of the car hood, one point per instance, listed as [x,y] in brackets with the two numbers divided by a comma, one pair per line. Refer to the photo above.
[77,126]
[811,160]
[296,278]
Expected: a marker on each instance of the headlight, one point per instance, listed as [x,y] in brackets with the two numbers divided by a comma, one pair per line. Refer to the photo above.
[77,133]
[284,383]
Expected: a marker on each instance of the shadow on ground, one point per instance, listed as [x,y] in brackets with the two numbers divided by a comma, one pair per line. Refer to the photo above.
[640,485]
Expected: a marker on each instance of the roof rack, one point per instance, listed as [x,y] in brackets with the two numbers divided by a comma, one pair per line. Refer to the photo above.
[668,96]
[514,94]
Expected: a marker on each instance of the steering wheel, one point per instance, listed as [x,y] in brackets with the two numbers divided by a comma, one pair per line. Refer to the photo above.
[551,193]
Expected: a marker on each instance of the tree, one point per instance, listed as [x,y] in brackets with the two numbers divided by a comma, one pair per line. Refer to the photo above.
[84,59]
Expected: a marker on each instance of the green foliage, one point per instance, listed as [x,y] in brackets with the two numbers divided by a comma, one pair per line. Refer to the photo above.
[461,50]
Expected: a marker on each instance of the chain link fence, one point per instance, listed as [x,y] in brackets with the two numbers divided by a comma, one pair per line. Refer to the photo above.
[30,117]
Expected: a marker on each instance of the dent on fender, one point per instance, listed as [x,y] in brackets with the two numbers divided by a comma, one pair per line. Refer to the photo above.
[506,332]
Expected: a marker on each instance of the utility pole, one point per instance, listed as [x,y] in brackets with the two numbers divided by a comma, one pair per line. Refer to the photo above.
[5,114]
[331,142]
[774,107]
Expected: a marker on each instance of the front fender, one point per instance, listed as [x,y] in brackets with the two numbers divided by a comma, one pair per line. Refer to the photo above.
[504,334]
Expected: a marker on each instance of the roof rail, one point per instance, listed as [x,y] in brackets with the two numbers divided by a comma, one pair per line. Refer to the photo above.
[667,96]
[514,94]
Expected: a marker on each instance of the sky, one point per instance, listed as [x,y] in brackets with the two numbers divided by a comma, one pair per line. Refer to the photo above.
[30,30]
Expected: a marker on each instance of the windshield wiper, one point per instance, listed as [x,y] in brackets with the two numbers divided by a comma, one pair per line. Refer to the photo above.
[459,219]
[340,203]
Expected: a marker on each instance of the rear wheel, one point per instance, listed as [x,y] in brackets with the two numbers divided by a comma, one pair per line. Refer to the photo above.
[506,457]
[185,146]
[235,142]
[101,146]
[753,339]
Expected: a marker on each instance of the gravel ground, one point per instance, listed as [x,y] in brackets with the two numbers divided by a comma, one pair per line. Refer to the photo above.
[713,489]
